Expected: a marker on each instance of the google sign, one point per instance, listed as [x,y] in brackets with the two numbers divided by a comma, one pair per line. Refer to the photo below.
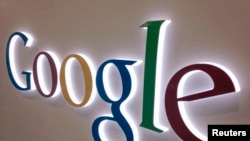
[224,82]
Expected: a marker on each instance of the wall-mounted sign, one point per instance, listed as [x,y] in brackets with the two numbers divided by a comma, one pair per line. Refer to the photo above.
[224,82]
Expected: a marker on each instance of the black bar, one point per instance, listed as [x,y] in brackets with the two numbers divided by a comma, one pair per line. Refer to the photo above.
[226,132]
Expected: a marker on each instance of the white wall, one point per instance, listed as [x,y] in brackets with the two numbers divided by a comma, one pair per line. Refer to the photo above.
[201,31]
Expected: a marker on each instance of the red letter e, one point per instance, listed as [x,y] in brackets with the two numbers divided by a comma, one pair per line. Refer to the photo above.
[223,84]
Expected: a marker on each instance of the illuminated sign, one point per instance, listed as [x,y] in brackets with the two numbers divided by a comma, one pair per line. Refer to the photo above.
[223,80]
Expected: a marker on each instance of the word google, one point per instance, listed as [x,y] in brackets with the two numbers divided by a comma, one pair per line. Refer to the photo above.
[224,82]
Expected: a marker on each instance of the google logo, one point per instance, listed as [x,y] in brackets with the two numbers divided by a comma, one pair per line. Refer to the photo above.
[224,82]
